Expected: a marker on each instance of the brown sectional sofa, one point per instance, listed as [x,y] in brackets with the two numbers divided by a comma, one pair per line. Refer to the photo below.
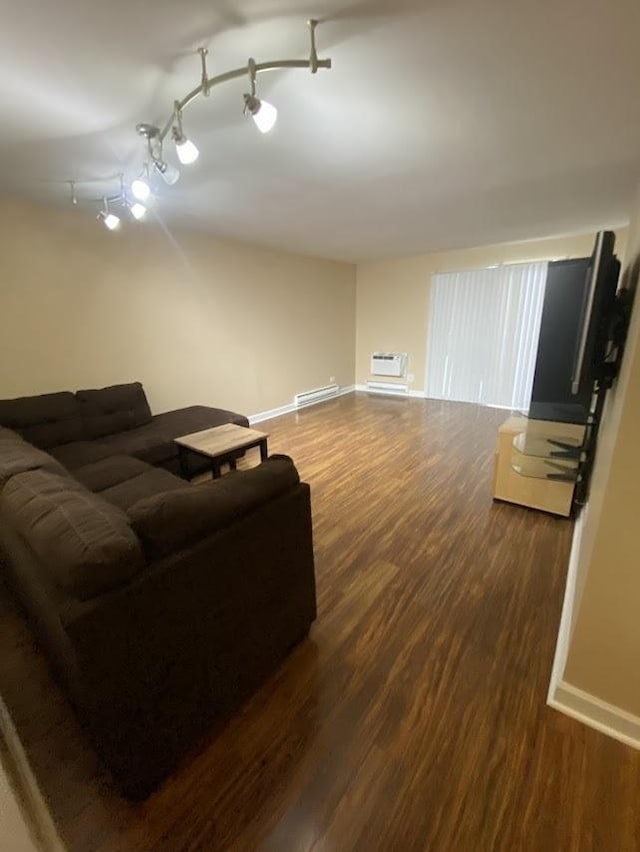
[161,605]
[93,424]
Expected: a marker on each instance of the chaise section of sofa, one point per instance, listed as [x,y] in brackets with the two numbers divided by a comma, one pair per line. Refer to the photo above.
[154,442]
[91,425]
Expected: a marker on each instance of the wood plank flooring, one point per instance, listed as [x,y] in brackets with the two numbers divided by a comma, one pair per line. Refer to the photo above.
[414,717]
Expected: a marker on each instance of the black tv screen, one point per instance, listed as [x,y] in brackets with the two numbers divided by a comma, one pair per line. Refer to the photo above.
[574,333]
[551,396]
[597,314]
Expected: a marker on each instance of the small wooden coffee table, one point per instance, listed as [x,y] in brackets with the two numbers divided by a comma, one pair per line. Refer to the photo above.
[222,444]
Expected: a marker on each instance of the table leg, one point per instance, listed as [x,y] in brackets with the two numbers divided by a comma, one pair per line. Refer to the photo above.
[183,464]
[215,469]
[263,450]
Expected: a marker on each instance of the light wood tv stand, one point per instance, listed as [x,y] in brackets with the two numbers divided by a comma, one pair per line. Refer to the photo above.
[547,495]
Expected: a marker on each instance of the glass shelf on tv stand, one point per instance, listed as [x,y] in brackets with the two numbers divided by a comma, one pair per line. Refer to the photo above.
[548,446]
[552,457]
[555,470]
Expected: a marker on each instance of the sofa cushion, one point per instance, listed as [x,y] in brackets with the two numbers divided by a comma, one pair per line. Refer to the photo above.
[172,520]
[17,456]
[109,472]
[86,544]
[154,442]
[80,453]
[150,482]
[46,421]
[194,418]
[114,409]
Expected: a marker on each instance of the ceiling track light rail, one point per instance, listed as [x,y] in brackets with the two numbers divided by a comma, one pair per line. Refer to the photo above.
[263,113]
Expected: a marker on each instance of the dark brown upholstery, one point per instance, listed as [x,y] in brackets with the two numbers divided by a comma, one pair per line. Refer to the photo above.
[80,453]
[154,443]
[151,651]
[17,456]
[85,544]
[109,472]
[114,409]
[46,421]
[207,624]
[153,481]
[169,521]
[124,481]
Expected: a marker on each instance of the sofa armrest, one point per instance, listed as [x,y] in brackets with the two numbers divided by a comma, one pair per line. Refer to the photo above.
[169,521]
[192,636]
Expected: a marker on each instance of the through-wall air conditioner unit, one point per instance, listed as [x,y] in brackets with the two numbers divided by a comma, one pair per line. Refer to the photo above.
[389,364]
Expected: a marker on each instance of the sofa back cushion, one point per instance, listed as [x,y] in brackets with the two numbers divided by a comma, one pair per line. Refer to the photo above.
[175,519]
[85,545]
[17,456]
[114,409]
[46,421]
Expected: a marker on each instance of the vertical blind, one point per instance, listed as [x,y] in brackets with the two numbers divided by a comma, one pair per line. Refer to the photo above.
[483,334]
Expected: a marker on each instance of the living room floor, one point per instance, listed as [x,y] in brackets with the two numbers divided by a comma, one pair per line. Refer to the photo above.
[414,716]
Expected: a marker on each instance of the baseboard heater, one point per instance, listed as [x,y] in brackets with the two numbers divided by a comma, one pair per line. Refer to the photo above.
[316,395]
[388,387]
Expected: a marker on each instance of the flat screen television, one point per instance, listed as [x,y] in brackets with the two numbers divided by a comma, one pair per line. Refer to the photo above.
[590,363]
[578,310]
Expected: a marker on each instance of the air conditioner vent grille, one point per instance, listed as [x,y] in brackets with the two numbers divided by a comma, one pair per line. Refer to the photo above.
[389,364]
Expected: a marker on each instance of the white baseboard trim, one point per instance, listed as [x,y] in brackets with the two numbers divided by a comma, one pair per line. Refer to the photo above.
[291,406]
[33,806]
[598,714]
[566,618]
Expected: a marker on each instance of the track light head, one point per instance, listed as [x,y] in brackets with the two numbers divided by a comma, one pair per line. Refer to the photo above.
[263,113]
[186,150]
[151,133]
[148,131]
[109,220]
[140,188]
[169,174]
[138,211]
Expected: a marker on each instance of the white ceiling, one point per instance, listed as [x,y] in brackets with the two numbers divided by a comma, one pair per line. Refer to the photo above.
[443,123]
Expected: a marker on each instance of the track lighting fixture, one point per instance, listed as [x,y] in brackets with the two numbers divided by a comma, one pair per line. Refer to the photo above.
[263,113]
[186,150]
[108,219]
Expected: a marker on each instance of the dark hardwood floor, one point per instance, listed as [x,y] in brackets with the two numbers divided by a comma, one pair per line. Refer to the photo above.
[414,717]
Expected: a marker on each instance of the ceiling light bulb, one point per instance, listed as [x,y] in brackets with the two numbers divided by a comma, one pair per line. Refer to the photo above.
[138,211]
[265,116]
[109,220]
[169,174]
[186,150]
[140,189]
[263,113]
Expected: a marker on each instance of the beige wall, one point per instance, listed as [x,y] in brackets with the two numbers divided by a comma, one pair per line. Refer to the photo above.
[196,319]
[393,296]
[604,650]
